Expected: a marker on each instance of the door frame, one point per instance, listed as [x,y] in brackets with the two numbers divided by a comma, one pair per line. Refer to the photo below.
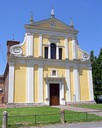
[61,92]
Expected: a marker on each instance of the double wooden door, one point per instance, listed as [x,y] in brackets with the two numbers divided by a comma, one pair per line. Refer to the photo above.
[54,94]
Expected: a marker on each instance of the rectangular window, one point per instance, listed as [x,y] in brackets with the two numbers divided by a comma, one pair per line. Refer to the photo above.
[46,52]
[60,53]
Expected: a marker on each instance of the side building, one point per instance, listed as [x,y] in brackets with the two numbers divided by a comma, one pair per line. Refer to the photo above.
[48,68]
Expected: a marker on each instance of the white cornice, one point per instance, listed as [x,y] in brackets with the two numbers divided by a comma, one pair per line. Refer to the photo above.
[50,62]
[49,32]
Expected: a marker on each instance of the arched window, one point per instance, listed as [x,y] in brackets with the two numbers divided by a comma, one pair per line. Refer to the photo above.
[53,51]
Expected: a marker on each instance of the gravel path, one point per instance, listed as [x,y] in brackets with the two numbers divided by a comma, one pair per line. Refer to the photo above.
[77,109]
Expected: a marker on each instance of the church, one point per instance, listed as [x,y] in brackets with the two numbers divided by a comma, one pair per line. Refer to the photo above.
[48,68]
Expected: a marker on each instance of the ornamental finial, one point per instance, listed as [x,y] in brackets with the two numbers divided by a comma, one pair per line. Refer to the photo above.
[52,12]
[31,19]
[71,23]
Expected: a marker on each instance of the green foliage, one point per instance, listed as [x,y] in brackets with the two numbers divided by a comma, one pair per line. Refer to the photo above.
[97,73]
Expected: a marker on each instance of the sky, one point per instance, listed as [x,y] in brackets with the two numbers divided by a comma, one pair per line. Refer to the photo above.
[86,15]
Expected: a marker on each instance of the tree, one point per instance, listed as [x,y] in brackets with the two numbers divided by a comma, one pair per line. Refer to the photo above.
[97,73]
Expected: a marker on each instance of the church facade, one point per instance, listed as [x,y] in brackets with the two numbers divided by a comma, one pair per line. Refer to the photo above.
[49,68]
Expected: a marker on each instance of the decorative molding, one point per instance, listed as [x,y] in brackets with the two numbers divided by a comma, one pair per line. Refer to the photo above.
[51,33]
[16,50]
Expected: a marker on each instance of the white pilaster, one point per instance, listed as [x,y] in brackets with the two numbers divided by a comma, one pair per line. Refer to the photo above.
[40,45]
[68,94]
[40,83]
[29,46]
[76,84]
[49,52]
[62,99]
[47,93]
[57,53]
[74,48]
[30,83]
[66,47]
[90,84]
[11,83]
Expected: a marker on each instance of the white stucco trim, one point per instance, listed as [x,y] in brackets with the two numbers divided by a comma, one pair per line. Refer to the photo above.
[76,84]
[30,83]
[66,47]
[73,48]
[40,45]
[49,52]
[90,84]
[57,52]
[29,44]
[47,102]
[68,93]
[11,83]
[40,83]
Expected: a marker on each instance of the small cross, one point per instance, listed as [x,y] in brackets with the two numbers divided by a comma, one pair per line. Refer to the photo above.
[13,36]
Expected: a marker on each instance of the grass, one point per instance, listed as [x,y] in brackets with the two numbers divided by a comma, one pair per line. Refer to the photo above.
[26,116]
[91,106]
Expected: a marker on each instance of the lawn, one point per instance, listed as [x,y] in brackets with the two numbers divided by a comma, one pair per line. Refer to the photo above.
[91,106]
[43,115]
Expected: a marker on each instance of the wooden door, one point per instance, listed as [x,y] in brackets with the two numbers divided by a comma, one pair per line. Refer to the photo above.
[54,94]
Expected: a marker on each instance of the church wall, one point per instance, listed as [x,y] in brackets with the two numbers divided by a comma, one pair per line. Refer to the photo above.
[84,86]
[20,84]
[71,83]
[70,49]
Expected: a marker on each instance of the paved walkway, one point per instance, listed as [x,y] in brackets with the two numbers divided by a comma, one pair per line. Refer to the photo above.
[77,109]
[74,125]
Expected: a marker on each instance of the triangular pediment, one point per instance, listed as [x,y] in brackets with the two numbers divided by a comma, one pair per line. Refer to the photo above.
[53,24]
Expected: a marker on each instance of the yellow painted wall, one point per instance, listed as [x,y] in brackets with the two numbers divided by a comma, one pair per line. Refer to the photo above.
[20,84]
[36,83]
[79,54]
[24,49]
[36,46]
[70,49]
[71,83]
[84,89]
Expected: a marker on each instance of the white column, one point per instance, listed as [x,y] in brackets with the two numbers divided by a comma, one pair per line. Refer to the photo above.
[47,93]
[11,83]
[68,93]
[49,52]
[66,47]
[57,52]
[30,83]
[74,48]
[62,100]
[76,84]
[40,45]
[40,83]
[29,45]
[90,84]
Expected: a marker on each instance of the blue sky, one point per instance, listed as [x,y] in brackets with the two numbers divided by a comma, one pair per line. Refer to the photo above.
[86,14]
